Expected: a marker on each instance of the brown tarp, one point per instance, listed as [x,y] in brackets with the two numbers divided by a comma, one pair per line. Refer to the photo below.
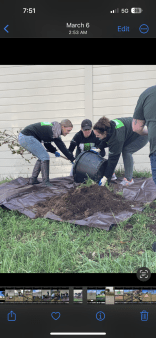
[19,195]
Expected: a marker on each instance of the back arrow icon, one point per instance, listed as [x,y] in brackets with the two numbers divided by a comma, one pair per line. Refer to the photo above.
[6,29]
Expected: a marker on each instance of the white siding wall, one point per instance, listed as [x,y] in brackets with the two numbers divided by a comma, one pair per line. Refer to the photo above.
[115,93]
[29,94]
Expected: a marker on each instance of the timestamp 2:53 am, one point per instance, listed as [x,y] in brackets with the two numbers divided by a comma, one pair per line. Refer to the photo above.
[77,32]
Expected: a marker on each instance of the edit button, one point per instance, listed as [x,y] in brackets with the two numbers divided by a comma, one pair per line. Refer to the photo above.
[123,29]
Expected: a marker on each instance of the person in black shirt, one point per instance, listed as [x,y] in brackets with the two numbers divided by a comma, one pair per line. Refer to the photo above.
[31,137]
[85,140]
[118,135]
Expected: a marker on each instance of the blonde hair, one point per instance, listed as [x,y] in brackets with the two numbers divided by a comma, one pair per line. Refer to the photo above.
[66,123]
[102,125]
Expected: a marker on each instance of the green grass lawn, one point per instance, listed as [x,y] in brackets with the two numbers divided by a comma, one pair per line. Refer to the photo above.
[44,246]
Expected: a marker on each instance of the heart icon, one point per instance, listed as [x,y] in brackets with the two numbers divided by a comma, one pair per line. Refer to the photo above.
[55,315]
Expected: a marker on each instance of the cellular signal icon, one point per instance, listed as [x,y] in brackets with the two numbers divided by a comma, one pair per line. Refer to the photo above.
[115,11]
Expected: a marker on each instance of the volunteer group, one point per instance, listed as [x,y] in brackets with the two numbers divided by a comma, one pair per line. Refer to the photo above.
[124,135]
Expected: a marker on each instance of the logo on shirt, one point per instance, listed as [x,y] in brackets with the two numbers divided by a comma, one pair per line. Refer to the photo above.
[118,123]
[46,124]
[87,146]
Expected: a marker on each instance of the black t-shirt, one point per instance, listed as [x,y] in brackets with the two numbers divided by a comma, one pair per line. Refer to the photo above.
[42,131]
[84,143]
[122,135]
[47,132]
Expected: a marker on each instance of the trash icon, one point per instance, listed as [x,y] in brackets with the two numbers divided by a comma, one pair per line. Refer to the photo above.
[144,316]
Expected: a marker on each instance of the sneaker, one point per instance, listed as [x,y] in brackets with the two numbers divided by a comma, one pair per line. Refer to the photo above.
[125,182]
[113,177]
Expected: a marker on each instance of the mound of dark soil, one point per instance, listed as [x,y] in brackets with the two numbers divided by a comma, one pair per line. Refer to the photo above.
[82,202]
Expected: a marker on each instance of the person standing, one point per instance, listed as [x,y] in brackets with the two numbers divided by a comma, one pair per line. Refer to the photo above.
[31,137]
[145,114]
[118,135]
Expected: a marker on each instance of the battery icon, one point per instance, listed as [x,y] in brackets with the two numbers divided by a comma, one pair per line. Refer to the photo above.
[136,10]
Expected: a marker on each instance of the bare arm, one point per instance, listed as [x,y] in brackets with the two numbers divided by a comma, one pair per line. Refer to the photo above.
[138,127]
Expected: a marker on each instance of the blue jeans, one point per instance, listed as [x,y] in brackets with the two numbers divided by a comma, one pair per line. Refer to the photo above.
[31,144]
[153,166]
[127,152]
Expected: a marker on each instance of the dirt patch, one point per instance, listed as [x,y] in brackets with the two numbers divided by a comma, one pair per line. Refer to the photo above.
[82,202]
[152,227]
[153,205]
[128,227]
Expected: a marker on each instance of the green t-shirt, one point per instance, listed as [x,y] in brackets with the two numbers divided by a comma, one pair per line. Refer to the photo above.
[146,110]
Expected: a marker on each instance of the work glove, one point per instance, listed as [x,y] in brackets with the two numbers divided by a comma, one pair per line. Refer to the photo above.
[57,154]
[103,181]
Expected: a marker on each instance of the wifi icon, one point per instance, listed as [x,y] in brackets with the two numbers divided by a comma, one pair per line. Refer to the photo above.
[115,10]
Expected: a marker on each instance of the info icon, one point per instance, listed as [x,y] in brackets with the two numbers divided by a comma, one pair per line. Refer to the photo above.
[143,274]
[100,316]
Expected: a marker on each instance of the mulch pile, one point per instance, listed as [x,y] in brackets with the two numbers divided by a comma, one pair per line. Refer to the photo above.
[82,202]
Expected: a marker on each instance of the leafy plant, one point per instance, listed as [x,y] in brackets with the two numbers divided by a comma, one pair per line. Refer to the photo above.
[11,139]
[87,183]
[109,187]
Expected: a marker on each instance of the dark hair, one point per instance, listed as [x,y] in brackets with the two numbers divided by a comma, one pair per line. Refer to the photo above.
[102,125]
